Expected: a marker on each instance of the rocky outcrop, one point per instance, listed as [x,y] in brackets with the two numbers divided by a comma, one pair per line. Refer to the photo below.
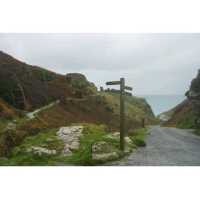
[81,86]
[71,138]
[41,151]
[102,151]
[187,113]
[194,92]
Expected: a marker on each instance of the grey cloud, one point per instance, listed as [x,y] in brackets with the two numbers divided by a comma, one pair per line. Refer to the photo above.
[152,63]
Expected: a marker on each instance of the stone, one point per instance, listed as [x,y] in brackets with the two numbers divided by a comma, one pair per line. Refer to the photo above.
[70,136]
[41,151]
[128,140]
[66,150]
[101,147]
[75,145]
[11,126]
[116,134]
[105,156]
[102,151]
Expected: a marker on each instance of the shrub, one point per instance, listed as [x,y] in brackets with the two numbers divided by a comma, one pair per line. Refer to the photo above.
[139,142]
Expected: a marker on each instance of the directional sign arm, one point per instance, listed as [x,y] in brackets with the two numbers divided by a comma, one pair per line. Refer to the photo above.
[128,88]
[128,93]
[113,83]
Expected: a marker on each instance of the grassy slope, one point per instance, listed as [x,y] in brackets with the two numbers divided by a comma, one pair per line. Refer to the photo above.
[83,156]
[135,108]
[92,107]
[6,111]
[85,110]
[181,116]
[78,111]
[46,139]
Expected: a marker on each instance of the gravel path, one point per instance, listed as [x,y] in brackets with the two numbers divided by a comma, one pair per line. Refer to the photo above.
[166,147]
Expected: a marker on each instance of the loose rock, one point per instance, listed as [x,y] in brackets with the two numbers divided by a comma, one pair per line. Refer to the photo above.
[41,150]
[102,151]
[105,156]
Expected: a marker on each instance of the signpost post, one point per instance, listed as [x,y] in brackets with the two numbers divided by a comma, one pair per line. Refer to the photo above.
[123,87]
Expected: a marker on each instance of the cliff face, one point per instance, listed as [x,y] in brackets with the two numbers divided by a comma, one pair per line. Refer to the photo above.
[187,114]
[194,97]
[194,92]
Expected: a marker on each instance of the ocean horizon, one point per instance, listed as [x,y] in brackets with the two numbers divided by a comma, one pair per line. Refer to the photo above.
[163,103]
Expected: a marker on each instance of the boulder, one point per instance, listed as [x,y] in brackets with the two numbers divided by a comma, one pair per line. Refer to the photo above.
[75,77]
[100,147]
[105,156]
[102,151]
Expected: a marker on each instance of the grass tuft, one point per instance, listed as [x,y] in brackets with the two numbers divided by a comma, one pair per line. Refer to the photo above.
[138,137]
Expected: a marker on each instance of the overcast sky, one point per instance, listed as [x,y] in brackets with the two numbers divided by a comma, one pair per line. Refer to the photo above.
[151,63]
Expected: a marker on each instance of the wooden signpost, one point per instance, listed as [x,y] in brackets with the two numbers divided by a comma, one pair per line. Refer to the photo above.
[123,87]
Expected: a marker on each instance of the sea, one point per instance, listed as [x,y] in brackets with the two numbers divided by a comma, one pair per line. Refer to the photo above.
[162,103]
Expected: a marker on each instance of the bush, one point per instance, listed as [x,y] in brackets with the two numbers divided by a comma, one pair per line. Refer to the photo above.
[139,142]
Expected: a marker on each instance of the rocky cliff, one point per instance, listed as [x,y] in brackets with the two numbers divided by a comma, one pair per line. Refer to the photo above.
[187,114]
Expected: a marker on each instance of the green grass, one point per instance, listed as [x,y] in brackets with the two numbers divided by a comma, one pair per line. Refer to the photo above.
[138,137]
[47,139]
[3,124]
[91,134]
[135,108]
[187,121]
[83,156]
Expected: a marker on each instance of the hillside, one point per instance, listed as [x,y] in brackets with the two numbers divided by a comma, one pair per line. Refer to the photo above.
[60,100]
[6,111]
[29,87]
[187,114]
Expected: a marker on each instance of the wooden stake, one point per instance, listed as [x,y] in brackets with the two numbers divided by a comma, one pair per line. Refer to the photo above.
[122,117]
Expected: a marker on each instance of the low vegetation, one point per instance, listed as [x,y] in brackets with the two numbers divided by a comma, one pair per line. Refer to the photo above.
[23,155]
[138,137]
